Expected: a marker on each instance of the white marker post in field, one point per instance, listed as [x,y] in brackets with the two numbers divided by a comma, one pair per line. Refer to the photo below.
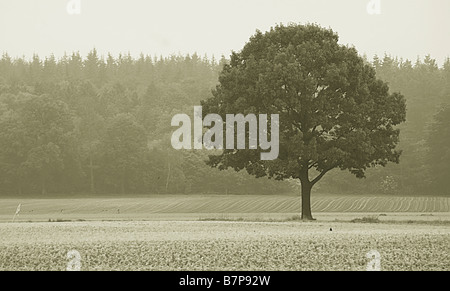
[17,212]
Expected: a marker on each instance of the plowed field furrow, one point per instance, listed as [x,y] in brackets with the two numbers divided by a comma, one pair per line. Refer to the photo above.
[223,204]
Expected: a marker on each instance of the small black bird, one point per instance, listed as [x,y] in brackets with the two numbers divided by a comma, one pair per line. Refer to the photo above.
[331,229]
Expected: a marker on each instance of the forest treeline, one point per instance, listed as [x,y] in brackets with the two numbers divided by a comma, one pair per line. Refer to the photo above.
[103,125]
[100,124]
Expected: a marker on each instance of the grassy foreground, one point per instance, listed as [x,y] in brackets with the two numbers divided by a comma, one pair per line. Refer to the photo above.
[195,245]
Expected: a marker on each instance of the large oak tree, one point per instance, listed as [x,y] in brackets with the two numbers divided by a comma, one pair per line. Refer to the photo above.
[333,111]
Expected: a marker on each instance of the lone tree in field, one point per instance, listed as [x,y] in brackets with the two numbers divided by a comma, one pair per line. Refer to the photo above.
[333,111]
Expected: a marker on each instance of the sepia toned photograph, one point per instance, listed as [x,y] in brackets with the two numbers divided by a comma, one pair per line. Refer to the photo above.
[210,135]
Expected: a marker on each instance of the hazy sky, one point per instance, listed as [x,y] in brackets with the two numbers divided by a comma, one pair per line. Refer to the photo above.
[405,28]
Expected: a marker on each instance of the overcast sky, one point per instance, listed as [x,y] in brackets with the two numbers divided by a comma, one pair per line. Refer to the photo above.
[405,28]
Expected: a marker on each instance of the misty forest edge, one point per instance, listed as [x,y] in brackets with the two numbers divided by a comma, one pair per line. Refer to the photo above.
[96,125]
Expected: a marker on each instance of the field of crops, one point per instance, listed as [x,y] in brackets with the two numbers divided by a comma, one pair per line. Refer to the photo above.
[195,206]
[196,245]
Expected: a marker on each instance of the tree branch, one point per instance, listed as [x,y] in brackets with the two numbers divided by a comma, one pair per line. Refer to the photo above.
[312,165]
[320,176]
[317,179]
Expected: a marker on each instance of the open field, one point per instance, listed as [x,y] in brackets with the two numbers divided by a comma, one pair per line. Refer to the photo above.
[176,232]
[195,207]
[195,245]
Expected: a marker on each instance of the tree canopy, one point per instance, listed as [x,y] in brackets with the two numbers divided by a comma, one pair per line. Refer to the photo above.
[333,111]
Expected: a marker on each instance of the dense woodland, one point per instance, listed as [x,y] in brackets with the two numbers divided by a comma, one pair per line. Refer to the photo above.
[101,125]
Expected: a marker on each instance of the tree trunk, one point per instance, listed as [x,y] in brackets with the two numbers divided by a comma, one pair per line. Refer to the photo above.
[91,166]
[43,186]
[306,193]
[122,184]
[168,178]
[306,200]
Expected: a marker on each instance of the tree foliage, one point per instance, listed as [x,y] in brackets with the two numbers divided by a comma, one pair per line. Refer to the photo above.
[438,154]
[333,111]
[102,125]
